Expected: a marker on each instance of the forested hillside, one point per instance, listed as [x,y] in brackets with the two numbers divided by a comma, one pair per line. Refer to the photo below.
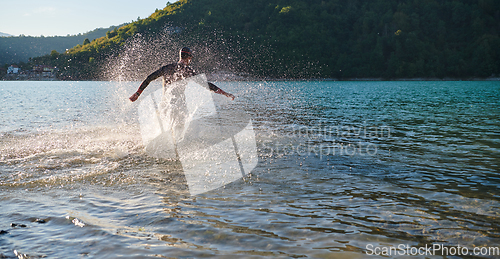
[315,38]
[21,48]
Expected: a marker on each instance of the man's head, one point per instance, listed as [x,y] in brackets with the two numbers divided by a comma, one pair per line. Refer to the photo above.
[185,53]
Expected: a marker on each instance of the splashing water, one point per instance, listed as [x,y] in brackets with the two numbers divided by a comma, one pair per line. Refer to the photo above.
[78,132]
[216,146]
[142,54]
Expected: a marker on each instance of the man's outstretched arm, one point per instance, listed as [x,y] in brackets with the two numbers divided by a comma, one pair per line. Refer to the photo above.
[145,84]
[217,90]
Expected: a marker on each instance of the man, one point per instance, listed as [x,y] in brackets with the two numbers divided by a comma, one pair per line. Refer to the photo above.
[175,72]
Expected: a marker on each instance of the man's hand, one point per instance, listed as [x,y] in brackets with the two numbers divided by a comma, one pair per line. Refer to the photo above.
[134,97]
[230,96]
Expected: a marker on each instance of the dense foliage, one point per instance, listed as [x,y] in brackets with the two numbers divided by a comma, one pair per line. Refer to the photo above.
[319,38]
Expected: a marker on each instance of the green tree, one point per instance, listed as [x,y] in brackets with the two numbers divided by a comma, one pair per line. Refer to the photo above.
[54,54]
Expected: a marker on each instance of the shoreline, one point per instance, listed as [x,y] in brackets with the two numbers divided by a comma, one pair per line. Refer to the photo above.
[29,77]
[424,79]
[234,77]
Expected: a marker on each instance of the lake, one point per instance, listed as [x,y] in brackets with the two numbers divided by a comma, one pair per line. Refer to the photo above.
[345,170]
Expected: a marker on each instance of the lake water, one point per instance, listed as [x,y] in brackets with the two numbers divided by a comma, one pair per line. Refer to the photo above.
[345,170]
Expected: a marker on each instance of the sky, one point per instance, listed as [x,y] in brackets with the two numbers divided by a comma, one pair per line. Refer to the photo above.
[63,17]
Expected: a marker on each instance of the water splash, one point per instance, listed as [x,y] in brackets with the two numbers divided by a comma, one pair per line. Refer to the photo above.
[62,157]
[216,146]
[215,53]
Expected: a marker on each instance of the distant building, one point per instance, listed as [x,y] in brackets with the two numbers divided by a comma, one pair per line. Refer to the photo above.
[48,69]
[13,69]
[44,70]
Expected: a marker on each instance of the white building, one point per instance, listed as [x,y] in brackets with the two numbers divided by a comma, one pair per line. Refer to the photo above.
[13,69]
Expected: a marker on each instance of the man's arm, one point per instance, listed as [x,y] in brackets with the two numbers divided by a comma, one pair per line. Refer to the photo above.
[217,90]
[146,82]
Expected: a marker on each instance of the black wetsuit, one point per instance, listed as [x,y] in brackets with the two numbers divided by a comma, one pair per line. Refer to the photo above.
[173,106]
[172,73]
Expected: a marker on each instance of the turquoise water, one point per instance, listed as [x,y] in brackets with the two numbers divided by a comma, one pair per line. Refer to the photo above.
[344,168]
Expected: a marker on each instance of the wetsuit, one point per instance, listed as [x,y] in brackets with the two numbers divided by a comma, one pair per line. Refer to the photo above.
[172,73]
[173,108]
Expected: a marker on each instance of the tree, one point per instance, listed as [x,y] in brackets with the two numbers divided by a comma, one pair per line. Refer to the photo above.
[54,54]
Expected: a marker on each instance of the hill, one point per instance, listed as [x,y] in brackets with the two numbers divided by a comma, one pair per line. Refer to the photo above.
[303,39]
[19,49]
[4,34]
